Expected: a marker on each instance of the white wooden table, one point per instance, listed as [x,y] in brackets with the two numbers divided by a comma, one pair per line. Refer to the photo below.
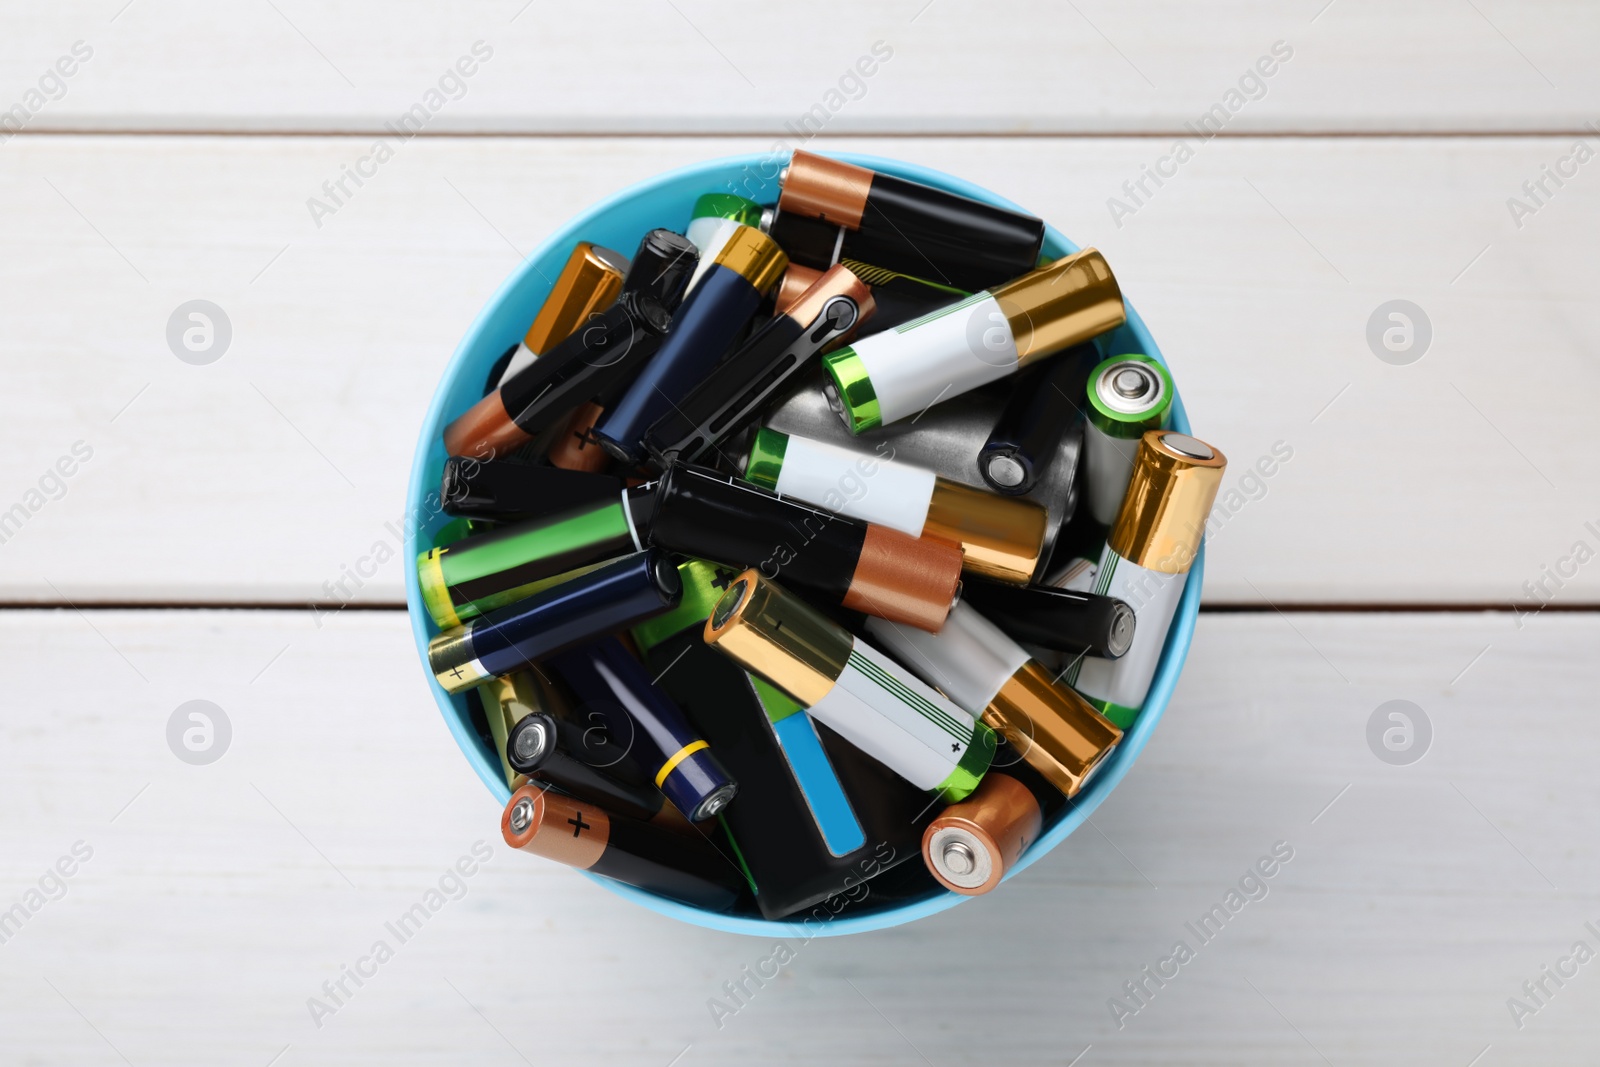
[193,551]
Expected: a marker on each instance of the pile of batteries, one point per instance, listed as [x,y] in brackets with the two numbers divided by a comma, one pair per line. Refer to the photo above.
[769,568]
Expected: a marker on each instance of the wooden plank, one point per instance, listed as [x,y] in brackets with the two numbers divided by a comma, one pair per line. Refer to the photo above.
[273,473]
[715,66]
[219,898]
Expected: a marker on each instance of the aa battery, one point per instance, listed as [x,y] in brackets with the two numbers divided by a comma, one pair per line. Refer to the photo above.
[715,218]
[490,570]
[608,680]
[735,392]
[982,670]
[904,225]
[1042,410]
[971,845]
[1128,396]
[601,601]
[590,281]
[852,687]
[946,440]
[500,490]
[579,834]
[867,568]
[661,268]
[1061,620]
[544,747]
[981,339]
[704,328]
[507,701]
[1000,537]
[1146,560]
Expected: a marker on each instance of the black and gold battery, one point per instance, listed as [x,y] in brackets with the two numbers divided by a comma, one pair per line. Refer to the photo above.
[1061,620]
[684,867]
[608,598]
[730,398]
[904,225]
[589,281]
[852,687]
[608,681]
[712,317]
[985,672]
[971,845]
[503,491]
[490,570]
[864,567]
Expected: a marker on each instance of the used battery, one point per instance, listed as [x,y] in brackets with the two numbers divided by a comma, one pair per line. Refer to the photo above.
[1062,620]
[867,568]
[601,601]
[714,219]
[548,749]
[498,490]
[683,867]
[971,845]
[899,297]
[1146,560]
[1000,537]
[1128,396]
[976,665]
[1042,410]
[589,281]
[609,681]
[852,687]
[986,337]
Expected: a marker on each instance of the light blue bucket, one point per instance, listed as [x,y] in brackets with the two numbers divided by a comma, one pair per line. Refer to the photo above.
[619,222]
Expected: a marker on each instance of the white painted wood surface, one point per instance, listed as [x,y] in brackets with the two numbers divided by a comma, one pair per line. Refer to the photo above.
[265,475]
[221,897]
[725,66]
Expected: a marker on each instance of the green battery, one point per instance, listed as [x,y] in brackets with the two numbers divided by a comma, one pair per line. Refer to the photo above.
[1128,395]
[465,579]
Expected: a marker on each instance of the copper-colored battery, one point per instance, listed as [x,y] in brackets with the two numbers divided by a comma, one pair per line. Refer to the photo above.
[972,844]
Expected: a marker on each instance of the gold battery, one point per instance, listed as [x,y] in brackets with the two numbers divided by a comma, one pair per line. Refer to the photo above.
[1057,731]
[1162,520]
[755,256]
[588,283]
[1001,537]
[1061,304]
[780,637]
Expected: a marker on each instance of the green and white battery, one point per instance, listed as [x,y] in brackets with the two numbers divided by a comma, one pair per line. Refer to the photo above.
[1127,395]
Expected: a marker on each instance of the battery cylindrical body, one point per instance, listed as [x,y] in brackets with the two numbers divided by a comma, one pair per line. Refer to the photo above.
[547,748]
[713,315]
[1146,560]
[945,439]
[981,339]
[490,570]
[726,401]
[899,297]
[971,845]
[904,225]
[601,601]
[1000,537]
[857,690]
[867,568]
[684,867]
[1044,407]
[975,664]
[507,491]
[590,281]
[1128,396]
[1061,620]
[607,679]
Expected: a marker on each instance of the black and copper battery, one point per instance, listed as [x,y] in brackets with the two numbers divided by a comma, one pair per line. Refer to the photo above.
[864,567]
[607,680]
[852,687]
[904,225]
[708,324]
[608,598]
[971,845]
[812,809]
[1061,620]
[684,867]
[589,282]
[490,570]
[1045,406]
[985,672]
[498,490]
[899,297]
[735,392]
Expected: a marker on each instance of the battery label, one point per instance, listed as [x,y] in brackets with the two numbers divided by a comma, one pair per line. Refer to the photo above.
[917,733]
[1118,687]
[945,353]
[861,486]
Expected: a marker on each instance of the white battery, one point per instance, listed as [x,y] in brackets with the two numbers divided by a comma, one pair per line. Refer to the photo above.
[943,354]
